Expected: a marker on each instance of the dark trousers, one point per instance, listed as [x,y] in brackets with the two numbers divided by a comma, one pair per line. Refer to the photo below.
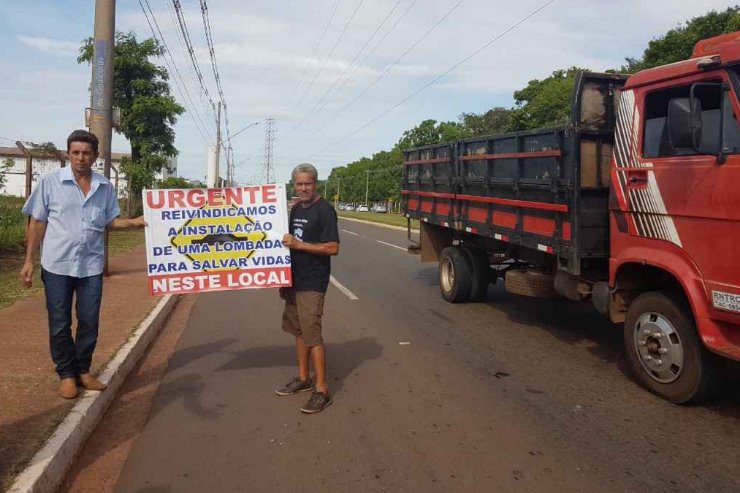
[72,356]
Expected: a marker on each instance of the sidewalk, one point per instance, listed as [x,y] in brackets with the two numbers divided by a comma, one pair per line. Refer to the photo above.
[30,408]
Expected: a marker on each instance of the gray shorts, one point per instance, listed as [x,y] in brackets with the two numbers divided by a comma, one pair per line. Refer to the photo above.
[302,315]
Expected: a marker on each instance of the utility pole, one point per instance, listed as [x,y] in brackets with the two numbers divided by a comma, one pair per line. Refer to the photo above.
[218,146]
[101,95]
[339,184]
[230,165]
[269,142]
[367,185]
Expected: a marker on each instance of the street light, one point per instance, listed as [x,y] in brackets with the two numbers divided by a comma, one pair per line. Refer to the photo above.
[240,131]
[230,154]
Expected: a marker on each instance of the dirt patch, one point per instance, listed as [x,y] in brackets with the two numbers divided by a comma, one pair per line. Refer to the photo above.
[29,406]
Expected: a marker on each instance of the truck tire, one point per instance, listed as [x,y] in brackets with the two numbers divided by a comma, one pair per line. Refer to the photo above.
[532,283]
[480,272]
[454,275]
[664,351]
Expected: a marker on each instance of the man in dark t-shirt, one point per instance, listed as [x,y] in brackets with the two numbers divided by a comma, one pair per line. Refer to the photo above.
[313,239]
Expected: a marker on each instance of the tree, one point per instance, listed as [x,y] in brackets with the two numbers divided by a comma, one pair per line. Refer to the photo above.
[546,102]
[148,111]
[175,182]
[497,120]
[430,132]
[678,44]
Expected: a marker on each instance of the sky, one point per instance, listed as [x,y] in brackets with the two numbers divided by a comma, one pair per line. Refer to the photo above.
[342,79]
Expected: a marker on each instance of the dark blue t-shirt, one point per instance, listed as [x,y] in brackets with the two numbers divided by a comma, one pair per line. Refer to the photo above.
[314,224]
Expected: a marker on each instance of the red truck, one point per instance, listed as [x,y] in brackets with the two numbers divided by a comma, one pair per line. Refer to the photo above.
[634,203]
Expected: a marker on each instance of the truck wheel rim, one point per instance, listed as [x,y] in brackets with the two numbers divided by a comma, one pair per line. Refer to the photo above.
[447,275]
[659,347]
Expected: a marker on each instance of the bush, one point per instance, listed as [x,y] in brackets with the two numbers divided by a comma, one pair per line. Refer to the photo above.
[12,224]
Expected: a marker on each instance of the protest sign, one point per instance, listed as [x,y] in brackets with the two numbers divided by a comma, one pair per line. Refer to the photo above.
[216,239]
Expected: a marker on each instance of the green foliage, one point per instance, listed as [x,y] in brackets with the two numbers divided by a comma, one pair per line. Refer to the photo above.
[678,44]
[544,103]
[497,120]
[12,224]
[379,175]
[175,182]
[430,132]
[139,175]
[148,110]
[4,168]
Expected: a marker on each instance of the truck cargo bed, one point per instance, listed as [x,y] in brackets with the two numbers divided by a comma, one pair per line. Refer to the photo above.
[546,190]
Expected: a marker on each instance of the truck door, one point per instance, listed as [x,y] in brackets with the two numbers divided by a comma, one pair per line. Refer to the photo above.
[686,192]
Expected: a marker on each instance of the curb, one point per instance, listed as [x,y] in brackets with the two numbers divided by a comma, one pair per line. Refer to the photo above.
[47,468]
[373,223]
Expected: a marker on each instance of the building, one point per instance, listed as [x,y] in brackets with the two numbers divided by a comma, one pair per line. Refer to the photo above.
[15,183]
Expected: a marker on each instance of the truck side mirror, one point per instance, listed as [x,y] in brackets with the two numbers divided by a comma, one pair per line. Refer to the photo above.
[684,123]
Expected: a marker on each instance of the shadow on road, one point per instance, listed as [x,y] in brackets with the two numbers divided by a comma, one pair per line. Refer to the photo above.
[342,358]
[578,323]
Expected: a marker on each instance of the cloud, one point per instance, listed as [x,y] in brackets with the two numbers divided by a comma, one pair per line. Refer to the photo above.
[269,54]
[48,45]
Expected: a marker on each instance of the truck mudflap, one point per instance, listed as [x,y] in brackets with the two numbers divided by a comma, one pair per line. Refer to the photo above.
[720,337]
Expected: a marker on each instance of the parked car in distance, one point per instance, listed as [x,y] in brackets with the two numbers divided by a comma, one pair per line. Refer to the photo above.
[379,208]
[362,208]
[349,207]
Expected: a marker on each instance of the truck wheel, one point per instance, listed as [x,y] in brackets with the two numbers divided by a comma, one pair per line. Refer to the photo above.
[454,275]
[664,351]
[480,272]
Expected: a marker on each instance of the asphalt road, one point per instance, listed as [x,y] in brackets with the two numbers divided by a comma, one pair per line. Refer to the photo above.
[513,394]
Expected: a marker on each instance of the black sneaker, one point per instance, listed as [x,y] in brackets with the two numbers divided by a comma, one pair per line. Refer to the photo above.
[295,386]
[317,403]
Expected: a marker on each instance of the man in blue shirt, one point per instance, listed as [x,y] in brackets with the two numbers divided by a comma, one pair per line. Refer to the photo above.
[69,210]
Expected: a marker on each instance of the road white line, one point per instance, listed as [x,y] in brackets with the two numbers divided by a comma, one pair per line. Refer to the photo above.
[343,289]
[392,245]
[351,232]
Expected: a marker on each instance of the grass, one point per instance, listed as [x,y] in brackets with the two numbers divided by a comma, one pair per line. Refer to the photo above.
[376,217]
[12,223]
[11,262]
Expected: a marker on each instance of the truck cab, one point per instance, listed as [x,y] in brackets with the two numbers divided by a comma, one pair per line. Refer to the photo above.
[674,267]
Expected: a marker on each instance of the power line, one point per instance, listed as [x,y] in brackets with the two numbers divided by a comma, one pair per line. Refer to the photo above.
[341,35]
[362,62]
[389,67]
[351,64]
[191,52]
[177,75]
[453,67]
[203,131]
[180,39]
[316,48]
[214,65]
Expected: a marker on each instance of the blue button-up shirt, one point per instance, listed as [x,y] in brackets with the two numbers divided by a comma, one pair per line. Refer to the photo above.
[75,224]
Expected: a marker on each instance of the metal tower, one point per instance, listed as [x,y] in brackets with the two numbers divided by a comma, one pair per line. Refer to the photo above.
[267,167]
